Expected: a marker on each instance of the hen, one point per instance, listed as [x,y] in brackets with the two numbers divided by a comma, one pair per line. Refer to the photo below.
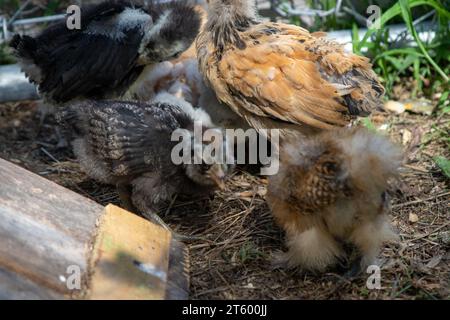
[277,75]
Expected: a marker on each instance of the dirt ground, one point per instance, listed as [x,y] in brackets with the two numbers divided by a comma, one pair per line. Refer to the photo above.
[234,261]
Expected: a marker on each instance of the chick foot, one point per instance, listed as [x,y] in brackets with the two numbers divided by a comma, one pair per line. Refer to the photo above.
[177,236]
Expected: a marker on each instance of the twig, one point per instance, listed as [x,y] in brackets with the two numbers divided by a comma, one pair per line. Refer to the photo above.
[420,200]
[49,155]
[226,242]
[201,293]
[416,168]
[171,205]
[428,233]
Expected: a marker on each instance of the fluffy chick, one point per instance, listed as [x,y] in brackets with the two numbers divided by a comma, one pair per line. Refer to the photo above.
[129,145]
[182,79]
[117,40]
[277,75]
[330,194]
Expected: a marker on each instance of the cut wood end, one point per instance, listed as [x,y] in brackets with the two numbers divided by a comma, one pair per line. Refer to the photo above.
[130,258]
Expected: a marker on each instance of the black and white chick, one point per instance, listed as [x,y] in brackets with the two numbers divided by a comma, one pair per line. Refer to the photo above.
[102,60]
[129,145]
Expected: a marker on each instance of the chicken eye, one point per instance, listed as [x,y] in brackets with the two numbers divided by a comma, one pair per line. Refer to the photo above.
[204,168]
[176,55]
[331,166]
[385,197]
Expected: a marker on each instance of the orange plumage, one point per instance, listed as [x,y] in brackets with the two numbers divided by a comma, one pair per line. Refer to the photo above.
[277,75]
[330,194]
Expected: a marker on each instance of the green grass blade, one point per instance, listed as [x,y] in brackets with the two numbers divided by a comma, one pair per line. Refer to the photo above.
[355,38]
[407,16]
[396,10]
[394,52]
[444,165]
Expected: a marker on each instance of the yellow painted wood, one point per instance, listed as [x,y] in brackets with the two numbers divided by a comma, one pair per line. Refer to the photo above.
[130,258]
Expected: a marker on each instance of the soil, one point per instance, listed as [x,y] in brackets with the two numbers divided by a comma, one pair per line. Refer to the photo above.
[234,261]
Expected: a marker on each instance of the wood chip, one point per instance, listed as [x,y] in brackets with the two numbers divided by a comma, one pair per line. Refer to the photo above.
[244,194]
[394,106]
[434,261]
[413,218]
[406,136]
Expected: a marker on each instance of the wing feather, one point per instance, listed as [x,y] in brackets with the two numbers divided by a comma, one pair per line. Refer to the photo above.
[127,138]
[293,76]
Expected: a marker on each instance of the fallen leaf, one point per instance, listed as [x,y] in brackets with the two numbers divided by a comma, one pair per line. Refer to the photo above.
[249,286]
[420,106]
[244,194]
[262,191]
[434,261]
[431,286]
[394,106]
[413,217]
[244,184]
[406,136]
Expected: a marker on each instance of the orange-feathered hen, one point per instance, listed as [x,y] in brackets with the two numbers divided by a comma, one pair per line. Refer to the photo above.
[278,75]
[330,196]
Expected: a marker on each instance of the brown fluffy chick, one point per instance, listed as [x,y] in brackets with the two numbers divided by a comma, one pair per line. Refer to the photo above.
[277,75]
[330,195]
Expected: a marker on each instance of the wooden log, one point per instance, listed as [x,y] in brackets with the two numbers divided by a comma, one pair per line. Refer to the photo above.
[57,244]
[44,228]
[131,258]
[14,286]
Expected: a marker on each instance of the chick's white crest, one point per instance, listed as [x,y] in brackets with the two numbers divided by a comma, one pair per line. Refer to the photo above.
[116,26]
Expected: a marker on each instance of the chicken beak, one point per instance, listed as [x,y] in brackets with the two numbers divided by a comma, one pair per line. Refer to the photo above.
[218,175]
[220,182]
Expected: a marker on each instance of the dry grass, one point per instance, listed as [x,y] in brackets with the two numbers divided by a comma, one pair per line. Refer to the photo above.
[234,261]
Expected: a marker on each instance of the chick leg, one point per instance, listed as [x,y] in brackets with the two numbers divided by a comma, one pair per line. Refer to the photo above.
[148,192]
[154,217]
[355,268]
[368,238]
[124,192]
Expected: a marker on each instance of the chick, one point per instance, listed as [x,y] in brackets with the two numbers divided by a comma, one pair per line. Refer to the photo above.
[182,79]
[129,145]
[103,59]
[277,75]
[330,194]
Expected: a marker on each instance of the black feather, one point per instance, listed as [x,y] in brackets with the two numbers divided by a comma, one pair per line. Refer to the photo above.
[130,138]
[93,63]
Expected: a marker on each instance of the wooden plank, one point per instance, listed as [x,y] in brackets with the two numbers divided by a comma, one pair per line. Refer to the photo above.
[15,287]
[130,259]
[44,228]
[178,277]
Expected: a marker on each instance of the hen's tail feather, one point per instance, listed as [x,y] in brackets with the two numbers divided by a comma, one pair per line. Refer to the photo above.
[24,46]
